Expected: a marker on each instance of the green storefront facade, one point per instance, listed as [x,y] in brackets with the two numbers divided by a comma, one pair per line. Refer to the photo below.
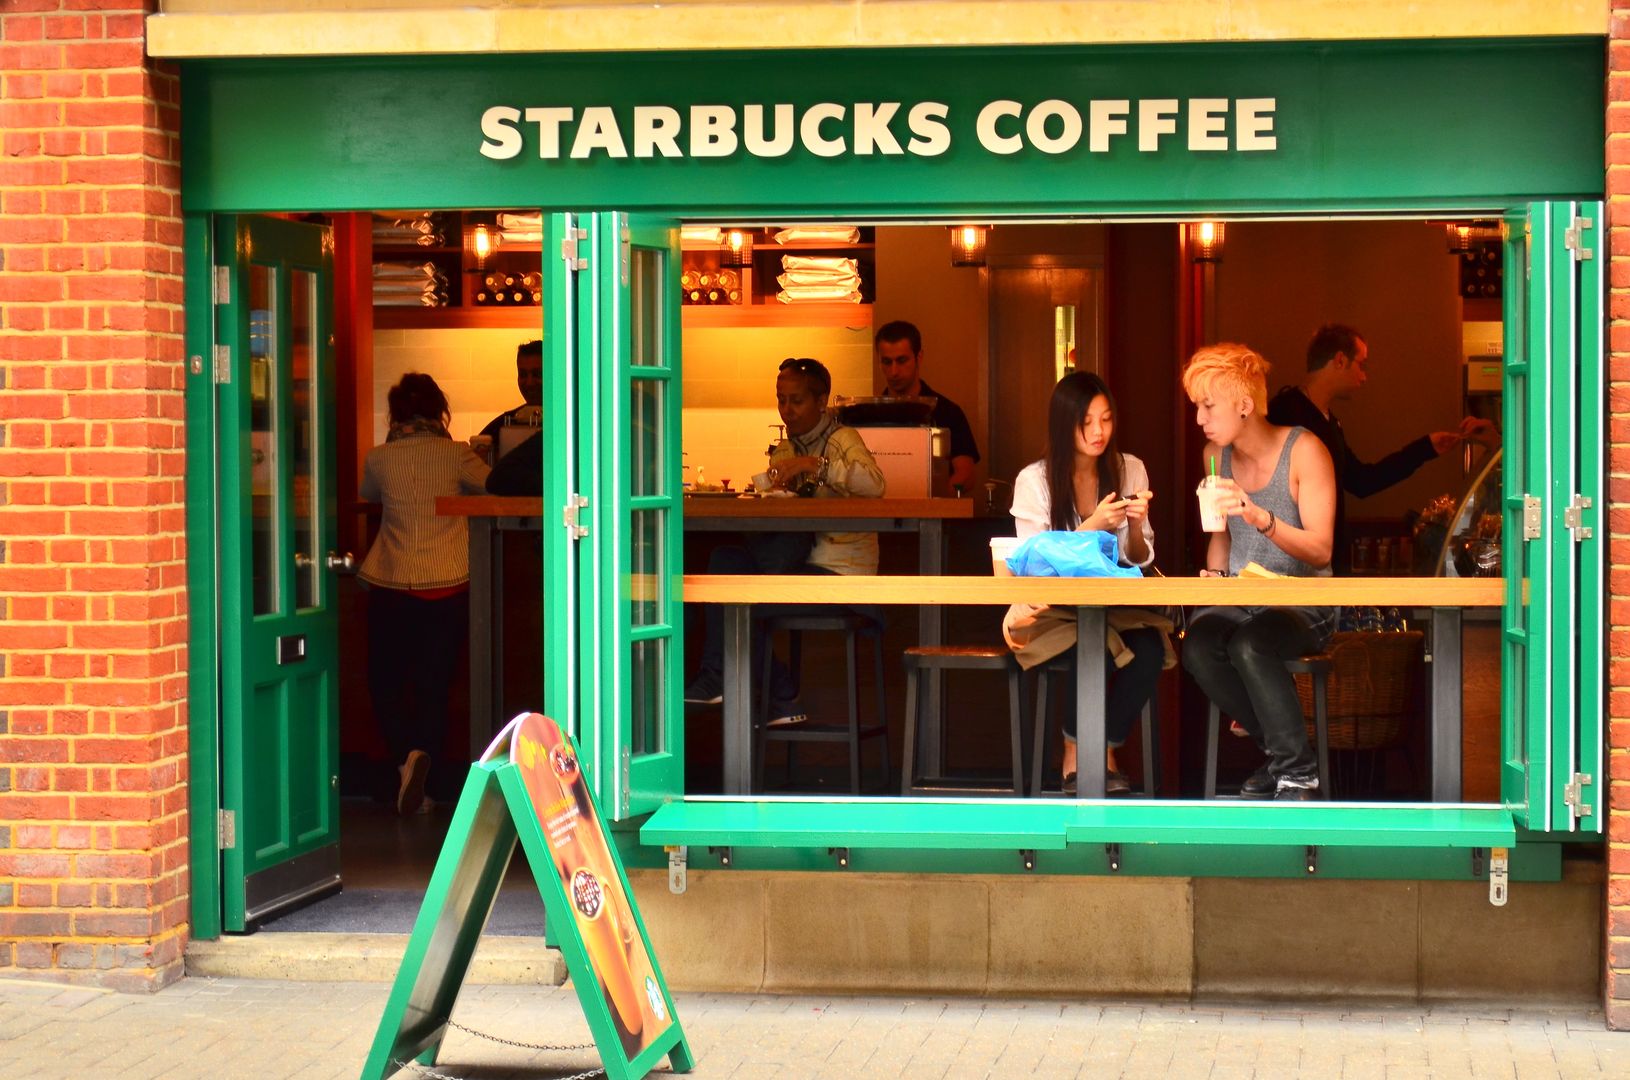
[617,150]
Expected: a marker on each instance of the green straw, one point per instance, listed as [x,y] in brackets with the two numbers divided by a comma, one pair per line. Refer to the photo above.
[1213,460]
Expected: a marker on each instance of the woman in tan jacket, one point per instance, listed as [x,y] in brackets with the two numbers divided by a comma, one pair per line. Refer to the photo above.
[418,578]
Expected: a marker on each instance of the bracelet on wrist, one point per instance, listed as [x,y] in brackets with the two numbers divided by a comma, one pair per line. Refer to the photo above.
[1273,523]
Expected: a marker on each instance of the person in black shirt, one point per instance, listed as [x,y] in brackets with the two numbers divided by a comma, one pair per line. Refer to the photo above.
[1337,360]
[899,348]
[528,379]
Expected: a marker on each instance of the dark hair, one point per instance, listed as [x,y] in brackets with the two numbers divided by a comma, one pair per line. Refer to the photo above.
[1329,340]
[417,397]
[529,348]
[899,330]
[1066,412]
[820,379]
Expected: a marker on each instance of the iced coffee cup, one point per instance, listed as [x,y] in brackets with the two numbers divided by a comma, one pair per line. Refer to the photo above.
[1212,493]
[1000,548]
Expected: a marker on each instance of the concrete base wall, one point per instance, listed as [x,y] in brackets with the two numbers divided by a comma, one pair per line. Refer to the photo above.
[781,932]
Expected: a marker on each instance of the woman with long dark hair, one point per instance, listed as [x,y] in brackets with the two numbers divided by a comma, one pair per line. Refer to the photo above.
[418,578]
[1099,488]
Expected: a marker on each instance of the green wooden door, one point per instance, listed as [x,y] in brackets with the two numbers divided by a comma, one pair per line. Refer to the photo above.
[629,473]
[276,524]
[1553,411]
[563,300]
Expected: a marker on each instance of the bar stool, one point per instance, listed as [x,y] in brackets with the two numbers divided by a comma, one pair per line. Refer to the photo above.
[852,627]
[921,658]
[1063,665]
[1318,667]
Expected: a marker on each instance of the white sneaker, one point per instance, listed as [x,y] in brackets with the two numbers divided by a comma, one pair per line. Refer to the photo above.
[783,715]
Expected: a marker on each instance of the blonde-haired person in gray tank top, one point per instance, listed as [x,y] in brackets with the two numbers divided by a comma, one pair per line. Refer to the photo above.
[1281,507]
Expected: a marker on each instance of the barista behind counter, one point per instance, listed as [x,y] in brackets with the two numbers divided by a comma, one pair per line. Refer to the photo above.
[518,466]
[899,347]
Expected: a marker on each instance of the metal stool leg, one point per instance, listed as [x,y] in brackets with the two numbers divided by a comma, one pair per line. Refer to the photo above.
[882,703]
[908,748]
[1321,730]
[1215,721]
[1148,749]
[853,655]
[1038,752]
[1015,724]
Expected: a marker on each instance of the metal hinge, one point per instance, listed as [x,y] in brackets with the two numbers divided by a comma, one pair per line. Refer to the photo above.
[571,516]
[1499,876]
[676,868]
[1573,238]
[571,249]
[223,284]
[1533,517]
[226,829]
[628,777]
[626,249]
[223,364]
[1573,518]
[1574,795]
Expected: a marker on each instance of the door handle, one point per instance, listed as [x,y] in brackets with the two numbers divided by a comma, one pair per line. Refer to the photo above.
[302,561]
[344,564]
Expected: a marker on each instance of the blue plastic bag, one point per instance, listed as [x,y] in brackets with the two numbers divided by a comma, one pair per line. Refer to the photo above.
[1070,554]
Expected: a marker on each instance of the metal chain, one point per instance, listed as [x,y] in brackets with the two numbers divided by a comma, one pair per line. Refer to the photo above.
[432,1074]
[519,1045]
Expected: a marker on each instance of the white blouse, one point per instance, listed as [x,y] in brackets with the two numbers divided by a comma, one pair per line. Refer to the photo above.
[1032,503]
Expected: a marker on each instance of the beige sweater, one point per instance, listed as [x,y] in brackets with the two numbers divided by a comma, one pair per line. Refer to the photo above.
[416,549]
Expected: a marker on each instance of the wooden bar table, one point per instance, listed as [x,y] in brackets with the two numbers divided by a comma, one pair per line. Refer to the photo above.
[1091,597]
[718,512]
[490,517]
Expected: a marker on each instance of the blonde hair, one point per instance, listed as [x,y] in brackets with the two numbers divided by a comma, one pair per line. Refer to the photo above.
[1230,371]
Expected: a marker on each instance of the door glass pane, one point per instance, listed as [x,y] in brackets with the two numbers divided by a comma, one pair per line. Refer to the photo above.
[648,663]
[646,287]
[263,425]
[646,585]
[305,437]
[645,437]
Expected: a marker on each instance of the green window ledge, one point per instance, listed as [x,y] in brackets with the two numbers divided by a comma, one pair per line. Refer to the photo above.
[984,825]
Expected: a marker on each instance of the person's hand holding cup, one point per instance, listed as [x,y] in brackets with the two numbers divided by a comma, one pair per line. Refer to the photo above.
[1214,494]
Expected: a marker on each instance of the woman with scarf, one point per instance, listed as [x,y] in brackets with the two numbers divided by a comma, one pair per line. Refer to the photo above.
[418,578]
[819,458]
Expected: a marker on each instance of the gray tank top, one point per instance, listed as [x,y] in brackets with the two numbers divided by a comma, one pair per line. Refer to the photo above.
[1245,544]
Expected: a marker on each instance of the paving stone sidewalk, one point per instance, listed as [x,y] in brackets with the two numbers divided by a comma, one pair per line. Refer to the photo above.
[237,1028]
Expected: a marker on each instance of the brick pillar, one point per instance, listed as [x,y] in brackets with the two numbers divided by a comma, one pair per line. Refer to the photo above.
[93,738]
[1617,981]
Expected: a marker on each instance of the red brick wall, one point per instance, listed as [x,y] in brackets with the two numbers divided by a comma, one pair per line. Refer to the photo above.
[93,823]
[1618,705]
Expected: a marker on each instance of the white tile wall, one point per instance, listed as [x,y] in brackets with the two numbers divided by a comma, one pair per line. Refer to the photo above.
[474,368]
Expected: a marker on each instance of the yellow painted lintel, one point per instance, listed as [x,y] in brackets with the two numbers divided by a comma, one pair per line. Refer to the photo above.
[245,28]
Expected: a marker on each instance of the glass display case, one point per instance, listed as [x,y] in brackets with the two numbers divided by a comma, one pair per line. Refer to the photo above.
[1466,541]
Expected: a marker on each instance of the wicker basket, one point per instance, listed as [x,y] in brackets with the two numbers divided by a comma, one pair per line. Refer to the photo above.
[1369,689]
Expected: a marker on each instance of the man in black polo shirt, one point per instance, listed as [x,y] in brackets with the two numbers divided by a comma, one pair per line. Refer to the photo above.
[899,348]
[529,381]
[1337,361]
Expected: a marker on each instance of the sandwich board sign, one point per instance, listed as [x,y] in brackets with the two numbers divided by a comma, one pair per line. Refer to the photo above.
[528,788]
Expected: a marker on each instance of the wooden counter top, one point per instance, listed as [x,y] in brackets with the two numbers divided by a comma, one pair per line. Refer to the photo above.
[714,507]
[1107,592]
[489,505]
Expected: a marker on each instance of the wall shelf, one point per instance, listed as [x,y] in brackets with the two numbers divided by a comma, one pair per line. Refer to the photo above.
[776,314]
[516,317]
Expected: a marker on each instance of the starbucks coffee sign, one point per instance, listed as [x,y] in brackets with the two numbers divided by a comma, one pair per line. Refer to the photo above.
[891,128]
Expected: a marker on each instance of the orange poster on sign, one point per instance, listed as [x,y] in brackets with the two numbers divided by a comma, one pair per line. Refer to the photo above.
[601,910]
